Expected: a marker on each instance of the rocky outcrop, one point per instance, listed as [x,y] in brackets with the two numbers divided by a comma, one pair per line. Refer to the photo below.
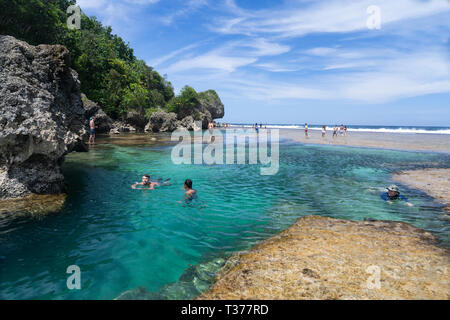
[162,122]
[41,117]
[136,120]
[326,258]
[209,107]
[210,101]
[102,121]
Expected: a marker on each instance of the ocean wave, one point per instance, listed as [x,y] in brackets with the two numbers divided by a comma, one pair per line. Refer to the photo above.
[409,130]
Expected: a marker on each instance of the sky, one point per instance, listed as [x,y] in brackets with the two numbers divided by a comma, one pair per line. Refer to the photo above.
[379,62]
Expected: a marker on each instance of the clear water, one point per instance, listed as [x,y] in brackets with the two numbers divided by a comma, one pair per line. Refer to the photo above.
[123,238]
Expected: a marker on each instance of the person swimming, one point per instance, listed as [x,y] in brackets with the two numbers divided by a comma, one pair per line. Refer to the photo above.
[392,194]
[147,184]
[190,193]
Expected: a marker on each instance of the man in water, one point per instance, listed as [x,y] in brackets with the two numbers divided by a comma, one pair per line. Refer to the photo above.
[393,194]
[149,185]
[190,193]
[92,130]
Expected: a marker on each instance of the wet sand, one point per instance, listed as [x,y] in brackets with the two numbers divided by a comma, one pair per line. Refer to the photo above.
[434,182]
[327,258]
[398,141]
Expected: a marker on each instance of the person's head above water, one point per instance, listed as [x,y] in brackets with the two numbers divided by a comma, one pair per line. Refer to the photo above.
[188,184]
[145,179]
[393,191]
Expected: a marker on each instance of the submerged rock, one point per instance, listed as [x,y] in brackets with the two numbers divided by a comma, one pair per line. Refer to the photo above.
[326,258]
[41,117]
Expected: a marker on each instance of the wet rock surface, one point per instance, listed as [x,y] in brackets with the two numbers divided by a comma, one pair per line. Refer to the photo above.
[41,117]
[326,258]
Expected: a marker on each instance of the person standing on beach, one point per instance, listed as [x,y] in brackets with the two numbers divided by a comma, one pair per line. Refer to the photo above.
[256,128]
[324,131]
[306,130]
[92,130]
[335,130]
[345,130]
[341,130]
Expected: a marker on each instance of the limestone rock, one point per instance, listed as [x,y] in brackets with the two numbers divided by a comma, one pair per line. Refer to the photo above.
[41,117]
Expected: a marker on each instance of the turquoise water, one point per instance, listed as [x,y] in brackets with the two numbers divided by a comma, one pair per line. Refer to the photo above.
[122,238]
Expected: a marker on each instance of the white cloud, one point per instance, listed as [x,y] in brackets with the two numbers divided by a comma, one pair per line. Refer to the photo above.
[329,16]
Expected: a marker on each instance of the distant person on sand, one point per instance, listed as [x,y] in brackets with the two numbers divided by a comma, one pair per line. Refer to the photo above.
[335,130]
[324,131]
[256,128]
[190,193]
[345,130]
[341,130]
[393,194]
[92,130]
[149,185]
[306,130]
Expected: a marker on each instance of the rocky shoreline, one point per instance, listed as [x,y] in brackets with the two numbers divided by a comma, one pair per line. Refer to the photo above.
[327,258]
[434,182]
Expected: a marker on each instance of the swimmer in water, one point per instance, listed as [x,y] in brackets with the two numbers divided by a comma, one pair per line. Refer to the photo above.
[190,193]
[149,185]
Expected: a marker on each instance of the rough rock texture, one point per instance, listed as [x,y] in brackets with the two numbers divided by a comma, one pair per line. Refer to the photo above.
[189,124]
[162,122]
[41,117]
[136,120]
[103,122]
[326,258]
[209,108]
[210,101]
[435,182]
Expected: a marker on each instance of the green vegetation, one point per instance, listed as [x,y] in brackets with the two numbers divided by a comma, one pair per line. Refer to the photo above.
[109,72]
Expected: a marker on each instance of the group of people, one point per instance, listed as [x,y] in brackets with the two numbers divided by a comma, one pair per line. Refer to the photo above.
[342,130]
[147,184]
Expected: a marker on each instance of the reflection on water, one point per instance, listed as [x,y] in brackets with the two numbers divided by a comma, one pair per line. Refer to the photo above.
[124,239]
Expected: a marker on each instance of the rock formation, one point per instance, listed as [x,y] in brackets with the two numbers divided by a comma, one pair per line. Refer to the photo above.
[326,258]
[41,117]
[103,122]
[209,108]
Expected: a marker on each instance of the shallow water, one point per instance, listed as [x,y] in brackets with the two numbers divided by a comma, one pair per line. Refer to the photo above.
[123,238]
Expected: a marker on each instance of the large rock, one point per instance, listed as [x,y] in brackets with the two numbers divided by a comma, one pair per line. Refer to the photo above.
[136,120]
[327,258]
[162,122]
[102,121]
[210,101]
[41,117]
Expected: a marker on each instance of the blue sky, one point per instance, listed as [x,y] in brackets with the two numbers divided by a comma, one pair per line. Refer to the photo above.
[297,61]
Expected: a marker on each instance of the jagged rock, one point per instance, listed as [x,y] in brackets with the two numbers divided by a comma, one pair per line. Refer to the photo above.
[41,117]
[189,124]
[119,126]
[162,122]
[210,101]
[136,120]
[102,121]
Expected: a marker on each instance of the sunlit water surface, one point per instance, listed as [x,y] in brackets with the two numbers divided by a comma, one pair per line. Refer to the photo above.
[122,238]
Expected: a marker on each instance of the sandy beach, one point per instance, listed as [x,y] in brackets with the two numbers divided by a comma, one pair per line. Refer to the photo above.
[399,141]
[327,258]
